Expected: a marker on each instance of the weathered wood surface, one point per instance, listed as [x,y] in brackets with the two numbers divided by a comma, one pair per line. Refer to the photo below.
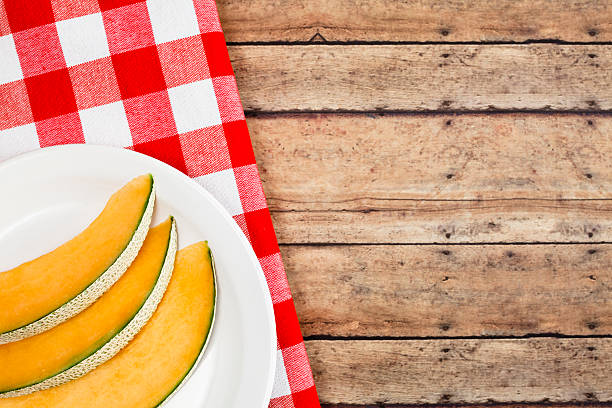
[436,178]
[424,77]
[462,371]
[462,290]
[510,221]
[405,179]
[412,21]
[507,405]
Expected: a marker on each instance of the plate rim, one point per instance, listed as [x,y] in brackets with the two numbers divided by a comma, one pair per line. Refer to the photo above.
[261,279]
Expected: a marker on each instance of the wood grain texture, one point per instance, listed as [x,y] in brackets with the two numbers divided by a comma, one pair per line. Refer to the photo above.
[424,77]
[337,162]
[390,20]
[436,178]
[414,222]
[462,371]
[462,290]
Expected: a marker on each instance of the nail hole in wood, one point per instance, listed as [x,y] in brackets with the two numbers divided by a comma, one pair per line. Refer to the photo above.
[593,32]
[449,122]
[445,32]
[590,122]
[588,175]
[448,235]
[592,251]
[449,176]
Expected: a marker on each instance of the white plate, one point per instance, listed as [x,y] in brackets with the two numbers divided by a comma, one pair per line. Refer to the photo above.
[50,195]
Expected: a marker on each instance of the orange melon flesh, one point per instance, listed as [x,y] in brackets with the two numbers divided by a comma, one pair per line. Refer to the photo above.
[37,288]
[36,358]
[145,372]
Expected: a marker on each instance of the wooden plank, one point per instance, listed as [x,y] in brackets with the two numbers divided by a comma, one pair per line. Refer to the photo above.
[424,77]
[462,371]
[337,162]
[487,221]
[389,178]
[390,20]
[461,290]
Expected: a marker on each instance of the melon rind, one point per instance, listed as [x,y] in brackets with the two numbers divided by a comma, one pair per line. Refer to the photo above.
[96,289]
[121,339]
[176,389]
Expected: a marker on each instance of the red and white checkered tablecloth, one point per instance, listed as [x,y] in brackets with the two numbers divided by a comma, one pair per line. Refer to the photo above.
[153,76]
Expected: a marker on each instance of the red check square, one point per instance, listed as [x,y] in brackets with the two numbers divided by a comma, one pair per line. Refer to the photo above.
[138,72]
[128,28]
[167,150]
[14,105]
[65,9]
[94,83]
[262,232]
[205,151]
[216,50]
[308,397]
[150,117]
[60,130]
[51,94]
[239,143]
[25,14]
[183,61]
[111,4]
[39,50]
[284,312]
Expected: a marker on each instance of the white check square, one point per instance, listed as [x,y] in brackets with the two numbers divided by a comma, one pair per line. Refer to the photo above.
[172,20]
[106,125]
[194,106]
[83,39]
[281,383]
[18,140]
[222,185]
[10,69]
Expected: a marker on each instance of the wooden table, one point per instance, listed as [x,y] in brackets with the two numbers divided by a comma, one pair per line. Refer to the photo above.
[440,178]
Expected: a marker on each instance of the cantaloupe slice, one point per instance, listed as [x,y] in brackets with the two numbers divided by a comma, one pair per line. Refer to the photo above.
[42,293]
[161,356]
[90,338]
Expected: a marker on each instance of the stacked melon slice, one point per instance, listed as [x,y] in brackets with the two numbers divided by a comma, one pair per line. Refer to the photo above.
[108,319]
